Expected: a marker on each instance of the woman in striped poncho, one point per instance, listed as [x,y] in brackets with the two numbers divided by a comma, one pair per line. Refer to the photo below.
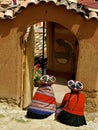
[43,102]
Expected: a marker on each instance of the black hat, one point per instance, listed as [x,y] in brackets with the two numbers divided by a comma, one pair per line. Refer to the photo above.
[75,85]
[47,79]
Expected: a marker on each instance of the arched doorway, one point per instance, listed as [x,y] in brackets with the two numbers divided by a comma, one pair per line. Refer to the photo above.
[46,12]
[62,51]
[58,44]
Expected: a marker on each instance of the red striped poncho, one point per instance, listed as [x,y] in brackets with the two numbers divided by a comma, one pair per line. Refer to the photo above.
[44,101]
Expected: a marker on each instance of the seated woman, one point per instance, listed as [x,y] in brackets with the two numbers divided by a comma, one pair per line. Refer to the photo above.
[44,102]
[73,106]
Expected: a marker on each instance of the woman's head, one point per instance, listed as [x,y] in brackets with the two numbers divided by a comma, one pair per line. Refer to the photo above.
[47,79]
[75,85]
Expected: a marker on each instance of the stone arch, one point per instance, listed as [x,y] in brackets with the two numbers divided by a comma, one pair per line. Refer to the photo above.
[48,14]
[43,11]
[12,32]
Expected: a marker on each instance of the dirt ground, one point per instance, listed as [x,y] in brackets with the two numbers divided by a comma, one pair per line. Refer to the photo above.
[13,118]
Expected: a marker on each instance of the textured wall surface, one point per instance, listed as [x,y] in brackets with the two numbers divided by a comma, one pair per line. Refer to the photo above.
[11,32]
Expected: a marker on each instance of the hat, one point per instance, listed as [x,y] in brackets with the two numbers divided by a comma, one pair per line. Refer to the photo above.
[75,85]
[46,79]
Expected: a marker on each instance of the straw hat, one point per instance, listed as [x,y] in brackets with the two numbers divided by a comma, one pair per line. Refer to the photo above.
[75,85]
[47,79]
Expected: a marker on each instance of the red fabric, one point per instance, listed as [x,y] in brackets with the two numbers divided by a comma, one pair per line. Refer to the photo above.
[89,3]
[15,2]
[36,66]
[43,101]
[74,106]
[44,98]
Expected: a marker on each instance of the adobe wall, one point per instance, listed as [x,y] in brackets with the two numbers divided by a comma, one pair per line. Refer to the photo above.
[10,62]
[10,50]
[87,70]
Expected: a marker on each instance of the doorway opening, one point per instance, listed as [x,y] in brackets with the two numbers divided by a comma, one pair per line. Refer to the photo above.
[55,51]
[50,49]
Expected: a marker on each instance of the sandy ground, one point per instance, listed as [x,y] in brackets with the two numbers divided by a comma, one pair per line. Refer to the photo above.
[13,118]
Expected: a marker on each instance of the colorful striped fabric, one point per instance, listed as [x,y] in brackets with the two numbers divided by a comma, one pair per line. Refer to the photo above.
[44,101]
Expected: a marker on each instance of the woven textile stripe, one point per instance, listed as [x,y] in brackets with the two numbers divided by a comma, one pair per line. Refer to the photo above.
[43,101]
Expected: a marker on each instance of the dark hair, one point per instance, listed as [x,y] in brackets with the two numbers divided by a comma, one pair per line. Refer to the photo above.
[74,92]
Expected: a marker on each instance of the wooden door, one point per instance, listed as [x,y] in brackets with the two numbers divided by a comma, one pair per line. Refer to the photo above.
[28,65]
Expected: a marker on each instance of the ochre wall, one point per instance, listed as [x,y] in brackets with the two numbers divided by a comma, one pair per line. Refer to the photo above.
[87,68]
[10,62]
[10,50]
